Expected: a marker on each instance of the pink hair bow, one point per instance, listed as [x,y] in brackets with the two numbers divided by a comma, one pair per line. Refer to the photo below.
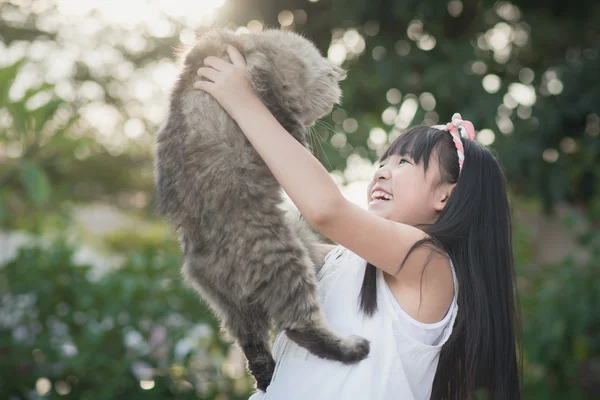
[459,128]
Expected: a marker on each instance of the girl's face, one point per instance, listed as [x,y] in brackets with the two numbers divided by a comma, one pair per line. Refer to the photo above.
[416,196]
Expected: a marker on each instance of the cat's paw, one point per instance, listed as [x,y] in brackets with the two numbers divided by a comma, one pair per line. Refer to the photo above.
[262,372]
[263,384]
[356,348]
[264,376]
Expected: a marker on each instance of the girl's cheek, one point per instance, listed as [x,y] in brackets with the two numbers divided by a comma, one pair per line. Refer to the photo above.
[370,187]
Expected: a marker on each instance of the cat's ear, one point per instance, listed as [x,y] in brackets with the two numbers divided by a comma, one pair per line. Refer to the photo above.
[256,61]
[338,73]
[259,71]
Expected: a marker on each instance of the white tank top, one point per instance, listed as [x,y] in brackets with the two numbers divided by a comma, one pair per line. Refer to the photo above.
[403,355]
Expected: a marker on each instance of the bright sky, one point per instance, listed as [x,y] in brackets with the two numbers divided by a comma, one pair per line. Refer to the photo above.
[135,12]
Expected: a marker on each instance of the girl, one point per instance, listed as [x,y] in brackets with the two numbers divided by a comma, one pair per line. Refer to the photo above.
[426,274]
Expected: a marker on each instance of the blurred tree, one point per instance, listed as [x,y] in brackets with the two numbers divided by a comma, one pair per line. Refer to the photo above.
[525,72]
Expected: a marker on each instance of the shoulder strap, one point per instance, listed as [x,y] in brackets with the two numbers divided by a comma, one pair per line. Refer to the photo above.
[334,254]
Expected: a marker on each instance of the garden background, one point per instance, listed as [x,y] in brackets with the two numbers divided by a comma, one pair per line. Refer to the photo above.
[92,305]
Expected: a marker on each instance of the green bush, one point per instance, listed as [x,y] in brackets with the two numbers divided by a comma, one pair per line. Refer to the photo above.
[83,336]
[65,331]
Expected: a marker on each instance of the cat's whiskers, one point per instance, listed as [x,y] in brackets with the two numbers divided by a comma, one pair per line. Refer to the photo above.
[324,124]
[317,139]
[309,134]
[337,107]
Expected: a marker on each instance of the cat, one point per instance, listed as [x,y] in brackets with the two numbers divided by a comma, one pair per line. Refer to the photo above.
[241,253]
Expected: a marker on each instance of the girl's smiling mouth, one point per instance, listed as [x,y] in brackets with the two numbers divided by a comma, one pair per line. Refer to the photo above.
[379,196]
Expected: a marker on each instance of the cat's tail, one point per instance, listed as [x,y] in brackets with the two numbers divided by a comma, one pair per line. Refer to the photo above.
[320,341]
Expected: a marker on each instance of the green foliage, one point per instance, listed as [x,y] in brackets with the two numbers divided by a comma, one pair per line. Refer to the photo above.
[46,173]
[562,326]
[24,181]
[35,182]
[123,241]
[98,337]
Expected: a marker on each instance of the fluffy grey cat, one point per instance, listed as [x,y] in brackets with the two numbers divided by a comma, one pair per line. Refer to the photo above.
[240,252]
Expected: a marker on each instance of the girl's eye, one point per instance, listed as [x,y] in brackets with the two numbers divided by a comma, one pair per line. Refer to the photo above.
[399,162]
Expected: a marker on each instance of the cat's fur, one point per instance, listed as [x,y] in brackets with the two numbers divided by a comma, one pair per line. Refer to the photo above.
[240,252]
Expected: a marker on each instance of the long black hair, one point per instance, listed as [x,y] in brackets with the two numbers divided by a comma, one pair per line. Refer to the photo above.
[483,353]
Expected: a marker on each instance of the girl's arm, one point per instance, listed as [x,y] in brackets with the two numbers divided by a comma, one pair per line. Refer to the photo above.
[381,242]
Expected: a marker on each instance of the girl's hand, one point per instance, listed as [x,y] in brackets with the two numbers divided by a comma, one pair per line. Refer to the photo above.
[227,83]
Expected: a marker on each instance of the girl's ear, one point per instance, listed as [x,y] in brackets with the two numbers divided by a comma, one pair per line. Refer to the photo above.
[442,195]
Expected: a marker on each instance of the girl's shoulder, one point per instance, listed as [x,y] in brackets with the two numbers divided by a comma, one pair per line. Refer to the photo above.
[427,296]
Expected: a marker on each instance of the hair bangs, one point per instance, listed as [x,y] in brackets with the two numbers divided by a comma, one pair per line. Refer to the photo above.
[418,143]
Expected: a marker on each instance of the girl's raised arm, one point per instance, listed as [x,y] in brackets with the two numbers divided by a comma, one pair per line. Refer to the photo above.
[379,241]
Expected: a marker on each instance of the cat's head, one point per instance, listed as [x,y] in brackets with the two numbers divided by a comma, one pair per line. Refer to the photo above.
[288,72]
[290,68]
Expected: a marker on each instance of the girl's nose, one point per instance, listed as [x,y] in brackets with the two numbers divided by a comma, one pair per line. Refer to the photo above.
[380,174]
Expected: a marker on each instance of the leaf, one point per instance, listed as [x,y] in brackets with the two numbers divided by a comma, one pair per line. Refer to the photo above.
[2,213]
[19,114]
[36,182]
[44,113]
[32,92]
[72,121]
[7,77]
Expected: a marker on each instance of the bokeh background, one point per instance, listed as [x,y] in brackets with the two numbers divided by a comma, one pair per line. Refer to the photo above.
[92,305]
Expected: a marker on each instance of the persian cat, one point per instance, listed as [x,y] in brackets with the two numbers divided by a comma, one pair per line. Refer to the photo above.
[251,263]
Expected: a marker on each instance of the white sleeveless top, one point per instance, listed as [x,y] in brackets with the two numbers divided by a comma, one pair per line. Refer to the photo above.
[403,353]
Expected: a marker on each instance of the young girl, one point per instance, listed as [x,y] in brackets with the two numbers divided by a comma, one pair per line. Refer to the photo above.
[426,274]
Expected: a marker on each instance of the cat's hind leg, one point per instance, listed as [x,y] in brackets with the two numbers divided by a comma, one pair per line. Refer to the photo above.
[247,325]
[250,328]
[260,363]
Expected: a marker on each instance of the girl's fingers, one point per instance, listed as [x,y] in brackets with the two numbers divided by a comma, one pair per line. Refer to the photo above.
[216,63]
[206,86]
[236,57]
[209,73]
